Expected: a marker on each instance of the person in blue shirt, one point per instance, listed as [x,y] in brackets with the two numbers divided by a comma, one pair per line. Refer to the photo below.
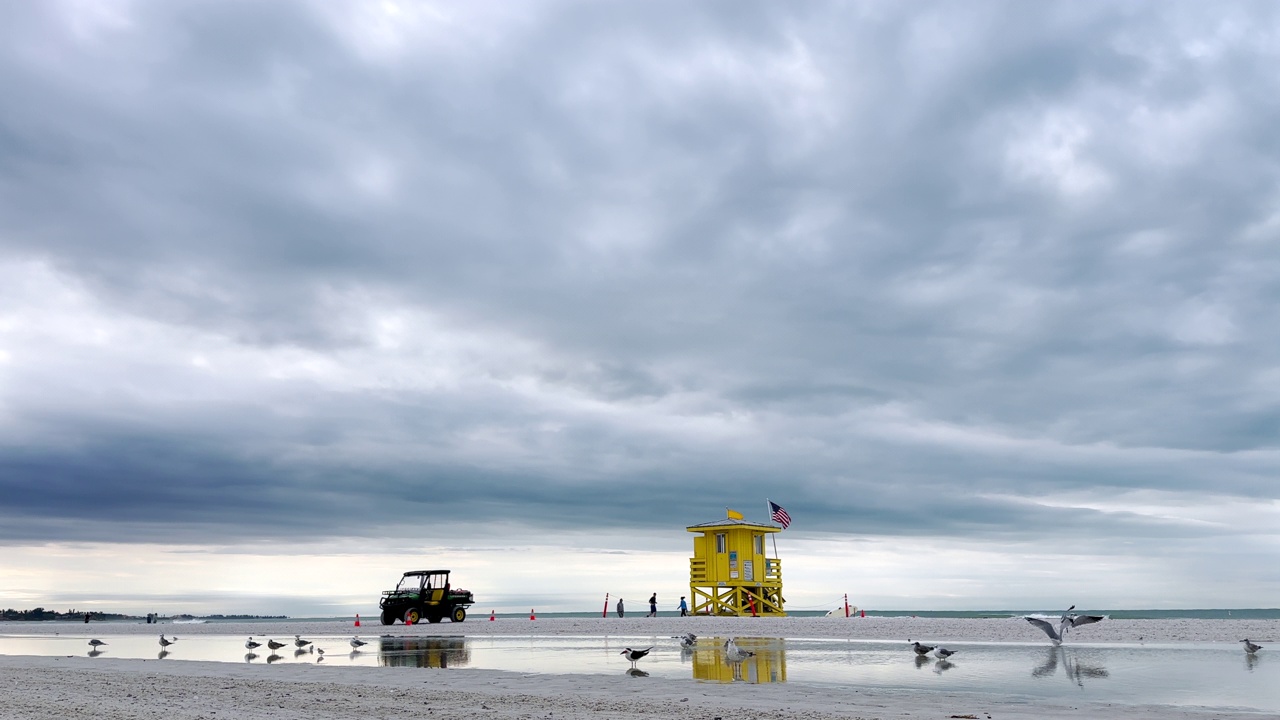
[684,607]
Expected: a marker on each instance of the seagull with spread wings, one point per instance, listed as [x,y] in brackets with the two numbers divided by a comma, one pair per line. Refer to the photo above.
[1068,621]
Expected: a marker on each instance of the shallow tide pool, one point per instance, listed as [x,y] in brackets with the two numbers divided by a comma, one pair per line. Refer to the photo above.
[1190,674]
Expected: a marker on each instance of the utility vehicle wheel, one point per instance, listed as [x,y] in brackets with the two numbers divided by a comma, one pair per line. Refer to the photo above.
[412,616]
[459,614]
[388,618]
[434,618]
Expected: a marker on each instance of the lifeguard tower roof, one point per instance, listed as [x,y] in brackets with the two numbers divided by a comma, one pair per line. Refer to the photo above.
[731,522]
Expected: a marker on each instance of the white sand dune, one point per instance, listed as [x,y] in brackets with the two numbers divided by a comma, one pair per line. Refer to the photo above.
[44,687]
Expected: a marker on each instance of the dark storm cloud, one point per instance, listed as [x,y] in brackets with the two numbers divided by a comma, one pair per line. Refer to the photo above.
[911,270]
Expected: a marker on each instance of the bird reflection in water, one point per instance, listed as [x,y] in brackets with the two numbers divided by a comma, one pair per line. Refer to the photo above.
[942,666]
[636,672]
[162,654]
[250,657]
[1075,670]
[272,658]
[95,652]
[921,661]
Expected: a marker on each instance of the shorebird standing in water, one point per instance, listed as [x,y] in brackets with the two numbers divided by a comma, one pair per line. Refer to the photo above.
[274,645]
[1249,647]
[250,644]
[943,653]
[921,650]
[297,640]
[96,643]
[634,655]
[688,640]
[735,654]
[166,642]
[356,642]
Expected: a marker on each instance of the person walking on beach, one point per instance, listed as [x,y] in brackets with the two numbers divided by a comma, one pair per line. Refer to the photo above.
[653,605]
[684,607]
[619,607]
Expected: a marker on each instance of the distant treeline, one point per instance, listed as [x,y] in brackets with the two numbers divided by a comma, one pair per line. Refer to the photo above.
[42,614]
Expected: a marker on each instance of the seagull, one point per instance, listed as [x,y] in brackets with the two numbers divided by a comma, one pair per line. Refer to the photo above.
[1068,621]
[274,645]
[250,644]
[1249,647]
[735,654]
[96,643]
[356,642]
[634,655]
[922,650]
[297,640]
[943,653]
[166,642]
[688,640]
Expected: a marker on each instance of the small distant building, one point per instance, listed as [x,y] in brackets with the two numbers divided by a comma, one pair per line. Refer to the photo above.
[729,573]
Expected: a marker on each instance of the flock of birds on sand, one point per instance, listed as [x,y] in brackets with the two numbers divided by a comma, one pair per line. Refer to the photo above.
[733,654]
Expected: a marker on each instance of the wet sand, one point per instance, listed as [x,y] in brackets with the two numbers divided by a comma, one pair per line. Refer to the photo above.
[103,687]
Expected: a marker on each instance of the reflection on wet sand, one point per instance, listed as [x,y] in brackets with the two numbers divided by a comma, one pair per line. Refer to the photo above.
[1076,671]
[767,665]
[425,652]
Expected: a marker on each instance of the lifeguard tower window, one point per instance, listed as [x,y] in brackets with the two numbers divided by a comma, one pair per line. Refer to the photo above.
[759,544]
[720,542]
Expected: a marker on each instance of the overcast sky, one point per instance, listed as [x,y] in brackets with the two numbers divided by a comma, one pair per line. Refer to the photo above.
[295,296]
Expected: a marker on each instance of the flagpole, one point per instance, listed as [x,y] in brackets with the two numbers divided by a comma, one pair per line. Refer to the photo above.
[768,506]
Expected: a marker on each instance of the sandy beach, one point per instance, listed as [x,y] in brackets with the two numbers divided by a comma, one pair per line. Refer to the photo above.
[105,687]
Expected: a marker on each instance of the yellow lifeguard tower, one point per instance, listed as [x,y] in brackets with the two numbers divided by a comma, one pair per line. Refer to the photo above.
[729,573]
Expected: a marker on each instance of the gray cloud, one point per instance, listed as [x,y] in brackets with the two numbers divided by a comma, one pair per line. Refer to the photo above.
[913,271]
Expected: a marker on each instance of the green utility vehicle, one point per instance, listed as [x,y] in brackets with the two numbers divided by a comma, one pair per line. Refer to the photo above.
[425,594]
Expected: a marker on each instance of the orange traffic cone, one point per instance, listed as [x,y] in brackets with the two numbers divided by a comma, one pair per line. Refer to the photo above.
[531,615]
[491,616]
[407,621]
[357,619]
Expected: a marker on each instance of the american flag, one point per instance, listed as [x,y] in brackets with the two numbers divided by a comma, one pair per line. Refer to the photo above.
[779,515]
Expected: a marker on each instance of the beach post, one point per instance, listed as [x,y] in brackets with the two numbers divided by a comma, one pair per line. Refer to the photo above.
[492,617]
[531,615]
[605,613]
[751,599]
[846,604]
[357,619]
